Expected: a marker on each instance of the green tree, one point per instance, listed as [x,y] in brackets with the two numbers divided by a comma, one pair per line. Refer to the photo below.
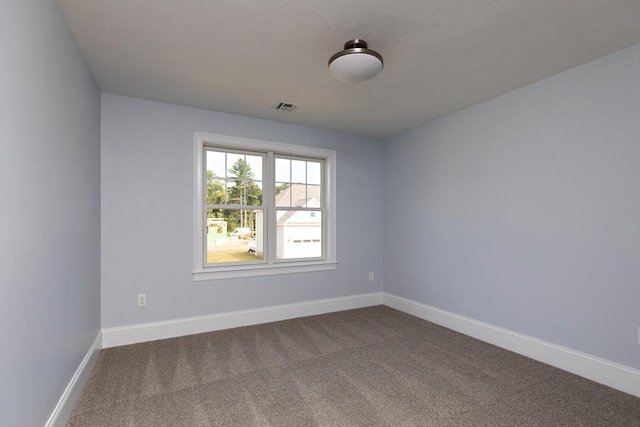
[215,192]
[245,191]
[215,189]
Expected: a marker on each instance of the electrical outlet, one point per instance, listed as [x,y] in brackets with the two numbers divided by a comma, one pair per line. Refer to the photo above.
[372,277]
[142,300]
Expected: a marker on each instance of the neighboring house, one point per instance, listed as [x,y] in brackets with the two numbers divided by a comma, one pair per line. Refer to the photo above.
[299,232]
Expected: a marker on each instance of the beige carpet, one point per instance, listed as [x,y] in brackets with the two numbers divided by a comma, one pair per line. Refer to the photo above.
[367,367]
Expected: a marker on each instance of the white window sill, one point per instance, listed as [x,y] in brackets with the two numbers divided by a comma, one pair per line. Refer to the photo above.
[233,272]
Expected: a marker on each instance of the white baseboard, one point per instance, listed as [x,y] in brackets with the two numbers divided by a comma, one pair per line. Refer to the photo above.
[611,374]
[113,337]
[60,415]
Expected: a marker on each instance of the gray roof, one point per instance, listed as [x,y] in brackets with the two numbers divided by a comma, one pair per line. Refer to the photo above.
[300,195]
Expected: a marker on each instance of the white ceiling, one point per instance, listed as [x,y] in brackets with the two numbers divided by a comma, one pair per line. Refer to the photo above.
[243,56]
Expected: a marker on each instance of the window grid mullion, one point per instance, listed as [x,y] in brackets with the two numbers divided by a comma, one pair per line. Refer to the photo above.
[268,198]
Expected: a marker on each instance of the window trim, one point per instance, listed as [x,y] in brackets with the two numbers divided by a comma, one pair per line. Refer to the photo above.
[200,271]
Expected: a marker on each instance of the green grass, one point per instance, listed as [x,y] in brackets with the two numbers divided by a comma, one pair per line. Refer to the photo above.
[231,255]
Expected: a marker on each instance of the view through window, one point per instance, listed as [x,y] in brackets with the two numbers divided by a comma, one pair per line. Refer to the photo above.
[237,210]
[299,190]
[234,208]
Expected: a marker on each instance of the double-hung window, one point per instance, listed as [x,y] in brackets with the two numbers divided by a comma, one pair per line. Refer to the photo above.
[262,208]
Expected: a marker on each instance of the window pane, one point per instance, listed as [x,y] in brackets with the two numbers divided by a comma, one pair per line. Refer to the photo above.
[232,162]
[283,170]
[298,171]
[283,194]
[299,234]
[314,196]
[253,191]
[298,195]
[234,235]
[216,164]
[255,165]
[229,185]
[281,186]
[313,173]
[215,190]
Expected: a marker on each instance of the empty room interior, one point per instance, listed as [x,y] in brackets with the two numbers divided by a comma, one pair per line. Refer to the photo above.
[320,213]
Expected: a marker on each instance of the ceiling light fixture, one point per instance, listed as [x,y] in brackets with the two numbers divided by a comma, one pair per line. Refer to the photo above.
[355,63]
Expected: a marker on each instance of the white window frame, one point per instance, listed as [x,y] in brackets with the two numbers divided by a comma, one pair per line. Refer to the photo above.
[271,267]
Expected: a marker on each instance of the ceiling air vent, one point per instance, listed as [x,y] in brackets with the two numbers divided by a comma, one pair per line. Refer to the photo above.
[284,106]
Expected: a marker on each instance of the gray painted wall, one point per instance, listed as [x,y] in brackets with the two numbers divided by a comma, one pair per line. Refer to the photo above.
[523,211]
[147,215]
[49,210]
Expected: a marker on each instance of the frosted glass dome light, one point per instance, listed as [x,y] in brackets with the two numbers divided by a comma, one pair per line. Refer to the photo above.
[355,63]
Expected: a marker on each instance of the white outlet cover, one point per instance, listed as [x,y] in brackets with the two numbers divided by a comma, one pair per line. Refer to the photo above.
[142,300]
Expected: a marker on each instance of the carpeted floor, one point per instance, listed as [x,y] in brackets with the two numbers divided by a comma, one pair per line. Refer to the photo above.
[367,367]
